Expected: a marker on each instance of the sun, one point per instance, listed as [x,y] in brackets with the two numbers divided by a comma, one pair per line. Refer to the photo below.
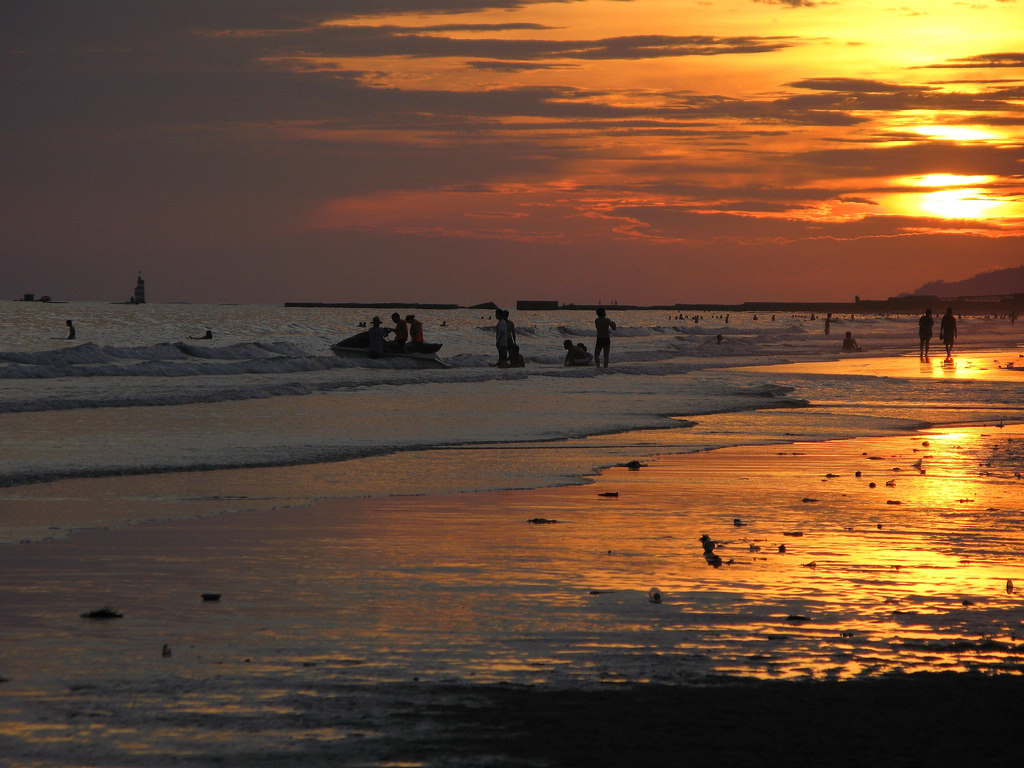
[952,196]
[961,203]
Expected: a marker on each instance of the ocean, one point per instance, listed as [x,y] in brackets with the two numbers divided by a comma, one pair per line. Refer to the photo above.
[132,394]
[374,524]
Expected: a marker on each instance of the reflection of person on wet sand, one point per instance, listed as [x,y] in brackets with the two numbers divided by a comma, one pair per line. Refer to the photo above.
[947,331]
[71,329]
[207,335]
[850,344]
[924,325]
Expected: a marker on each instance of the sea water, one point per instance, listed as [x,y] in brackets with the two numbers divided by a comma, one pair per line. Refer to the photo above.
[141,468]
[133,394]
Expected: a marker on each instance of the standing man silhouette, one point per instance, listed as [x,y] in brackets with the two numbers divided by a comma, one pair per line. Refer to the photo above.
[924,332]
[605,326]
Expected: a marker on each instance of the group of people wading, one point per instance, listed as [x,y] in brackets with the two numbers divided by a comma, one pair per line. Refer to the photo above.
[509,355]
[408,338]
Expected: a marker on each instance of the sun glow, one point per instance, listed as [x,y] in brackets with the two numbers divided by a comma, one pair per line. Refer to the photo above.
[962,133]
[965,203]
[953,196]
[946,180]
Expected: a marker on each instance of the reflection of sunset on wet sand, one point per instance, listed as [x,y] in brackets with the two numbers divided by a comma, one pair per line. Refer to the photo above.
[897,553]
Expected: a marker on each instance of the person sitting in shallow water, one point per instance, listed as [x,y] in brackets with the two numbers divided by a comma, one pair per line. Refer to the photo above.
[850,344]
[576,354]
[515,357]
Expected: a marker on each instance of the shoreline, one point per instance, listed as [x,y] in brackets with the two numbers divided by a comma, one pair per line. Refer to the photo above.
[228,489]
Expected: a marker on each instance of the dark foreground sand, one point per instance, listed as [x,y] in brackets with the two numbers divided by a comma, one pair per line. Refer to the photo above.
[920,720]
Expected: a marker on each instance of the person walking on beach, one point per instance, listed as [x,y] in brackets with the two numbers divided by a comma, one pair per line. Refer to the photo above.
[924,332]
[605,326]
[947,331]
[71,330]
[501,337]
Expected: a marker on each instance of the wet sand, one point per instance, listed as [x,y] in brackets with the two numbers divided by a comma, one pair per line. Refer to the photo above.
[516,628]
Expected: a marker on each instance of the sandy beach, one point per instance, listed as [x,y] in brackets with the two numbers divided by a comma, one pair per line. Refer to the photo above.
[518,627]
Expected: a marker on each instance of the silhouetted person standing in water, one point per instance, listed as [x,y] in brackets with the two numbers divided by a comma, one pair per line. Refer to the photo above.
[604,327]
[924,325]
[947,332]
[71,329]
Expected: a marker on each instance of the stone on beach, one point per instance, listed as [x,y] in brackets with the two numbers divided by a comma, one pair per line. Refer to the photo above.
[106,612]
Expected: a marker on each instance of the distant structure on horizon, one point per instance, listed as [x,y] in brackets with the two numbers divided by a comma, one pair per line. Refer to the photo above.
[140,291]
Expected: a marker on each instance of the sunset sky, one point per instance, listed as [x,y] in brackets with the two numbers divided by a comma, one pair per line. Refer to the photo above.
[645,151]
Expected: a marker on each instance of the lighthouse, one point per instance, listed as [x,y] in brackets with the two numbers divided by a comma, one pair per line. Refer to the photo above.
[140,291]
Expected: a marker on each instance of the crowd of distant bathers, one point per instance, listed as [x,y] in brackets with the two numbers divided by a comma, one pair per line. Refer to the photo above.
[408,338]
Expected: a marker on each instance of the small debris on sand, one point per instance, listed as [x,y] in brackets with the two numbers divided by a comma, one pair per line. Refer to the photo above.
[106,612]
[610,494]
[541,521]
[654,595]
[210,597]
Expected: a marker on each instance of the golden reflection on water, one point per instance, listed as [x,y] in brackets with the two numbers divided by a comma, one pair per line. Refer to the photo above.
[466,588]
[902,567]
[996,365]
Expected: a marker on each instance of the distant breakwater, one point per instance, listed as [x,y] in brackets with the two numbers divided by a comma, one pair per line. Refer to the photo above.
[897,305]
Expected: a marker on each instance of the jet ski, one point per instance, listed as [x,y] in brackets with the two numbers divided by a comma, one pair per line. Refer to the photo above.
[422,355]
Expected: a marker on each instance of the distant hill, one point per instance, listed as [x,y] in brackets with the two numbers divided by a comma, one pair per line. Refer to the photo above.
[999,282]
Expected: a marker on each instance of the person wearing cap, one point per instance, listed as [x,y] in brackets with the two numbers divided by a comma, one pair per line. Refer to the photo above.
[375,336]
